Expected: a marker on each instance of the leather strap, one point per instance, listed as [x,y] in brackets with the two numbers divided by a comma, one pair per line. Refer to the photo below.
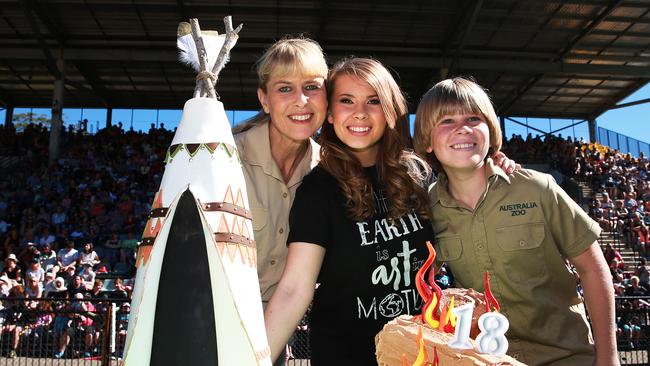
[147,241]
[227,207]
[234,238]
[158,212]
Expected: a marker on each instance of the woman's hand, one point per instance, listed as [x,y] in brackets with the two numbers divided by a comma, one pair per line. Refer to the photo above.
[507,165]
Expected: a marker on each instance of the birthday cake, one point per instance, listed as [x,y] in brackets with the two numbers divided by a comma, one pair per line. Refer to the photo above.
[398,340]
[425,339]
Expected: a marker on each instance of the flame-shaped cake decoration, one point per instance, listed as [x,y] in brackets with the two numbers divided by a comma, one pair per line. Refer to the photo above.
[490,300]
[431,294]
[422,356]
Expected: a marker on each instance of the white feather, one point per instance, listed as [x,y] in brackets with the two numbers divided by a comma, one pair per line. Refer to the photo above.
[187,49]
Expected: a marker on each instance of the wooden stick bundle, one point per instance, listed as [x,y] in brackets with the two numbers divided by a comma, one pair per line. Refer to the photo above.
[207,79]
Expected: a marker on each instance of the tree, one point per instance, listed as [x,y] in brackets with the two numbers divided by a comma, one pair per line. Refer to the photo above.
[22,120]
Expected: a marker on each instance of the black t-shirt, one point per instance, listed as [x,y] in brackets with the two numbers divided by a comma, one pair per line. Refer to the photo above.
[367,276]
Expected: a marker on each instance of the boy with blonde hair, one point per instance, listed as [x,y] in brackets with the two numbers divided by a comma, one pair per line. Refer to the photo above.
[521,228]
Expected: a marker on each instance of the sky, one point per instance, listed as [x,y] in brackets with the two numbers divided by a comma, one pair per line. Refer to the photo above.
[632,121]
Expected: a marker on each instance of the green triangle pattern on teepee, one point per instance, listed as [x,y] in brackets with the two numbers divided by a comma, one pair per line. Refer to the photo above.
[193,149]
[231,150]
[212,146]
[172,152]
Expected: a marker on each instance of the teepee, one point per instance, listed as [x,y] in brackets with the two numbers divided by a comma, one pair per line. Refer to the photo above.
[196,299]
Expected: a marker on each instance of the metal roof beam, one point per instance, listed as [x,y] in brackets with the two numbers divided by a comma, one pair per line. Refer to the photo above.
[50,61]
[595,23]
[19,77]
[466,31]
[324,11]
[182,10]
[592,25]
[37,8]
[569,126]
[108,56]
[95,83]
[527,125]
[30,6]
[141,20]
[626,93]
[629,104]
[5,99]
[557,67]
[233,7]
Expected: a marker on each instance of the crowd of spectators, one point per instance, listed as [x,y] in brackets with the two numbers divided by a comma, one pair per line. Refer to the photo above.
[620,203]
[556,151]
[69,230]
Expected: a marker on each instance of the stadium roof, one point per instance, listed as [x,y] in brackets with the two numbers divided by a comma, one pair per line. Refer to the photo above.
[563,59]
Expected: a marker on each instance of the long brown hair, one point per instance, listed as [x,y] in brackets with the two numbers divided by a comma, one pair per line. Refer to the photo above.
[287,56]
[401,173]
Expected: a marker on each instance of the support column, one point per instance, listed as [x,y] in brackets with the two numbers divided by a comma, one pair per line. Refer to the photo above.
[9,116]
[592,130]
[109,117]
[57,110]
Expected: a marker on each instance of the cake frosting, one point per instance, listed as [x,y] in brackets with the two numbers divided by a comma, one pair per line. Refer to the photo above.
[464,296]
[399,337]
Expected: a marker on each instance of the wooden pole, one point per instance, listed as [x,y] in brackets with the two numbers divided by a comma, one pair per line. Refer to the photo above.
[231,38]
[208,87]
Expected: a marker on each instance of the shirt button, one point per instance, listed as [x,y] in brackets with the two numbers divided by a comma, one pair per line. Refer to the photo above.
[480,247]
[281,230]
[522,243]
[273,262]
[284,195]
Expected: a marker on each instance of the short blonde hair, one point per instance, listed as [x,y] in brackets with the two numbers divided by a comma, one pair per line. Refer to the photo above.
[451,97]
[291,56]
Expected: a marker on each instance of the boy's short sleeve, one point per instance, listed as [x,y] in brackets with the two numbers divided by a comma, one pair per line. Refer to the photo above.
[573,230]
[309,220]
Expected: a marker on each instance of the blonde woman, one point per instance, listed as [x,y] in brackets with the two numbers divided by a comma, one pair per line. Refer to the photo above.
[276,148]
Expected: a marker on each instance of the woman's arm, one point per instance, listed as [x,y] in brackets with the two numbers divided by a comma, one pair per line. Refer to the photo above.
[293,294]
[599,296]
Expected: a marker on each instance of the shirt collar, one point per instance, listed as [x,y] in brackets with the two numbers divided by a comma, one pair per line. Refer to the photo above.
[258,152]
[438,192]
[308,162]
[493,170]
[258,146]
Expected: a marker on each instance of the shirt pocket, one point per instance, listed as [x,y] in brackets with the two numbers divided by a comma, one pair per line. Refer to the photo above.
[259,218]
[449,249]
[522,251]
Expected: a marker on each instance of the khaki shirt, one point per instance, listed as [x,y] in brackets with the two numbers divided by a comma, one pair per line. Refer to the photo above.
[522,230]
[270,200]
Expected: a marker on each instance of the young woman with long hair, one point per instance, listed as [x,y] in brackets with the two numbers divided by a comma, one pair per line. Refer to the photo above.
[358,224]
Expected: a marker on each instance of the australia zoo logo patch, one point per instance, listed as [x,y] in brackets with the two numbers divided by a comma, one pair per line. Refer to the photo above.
[517,209]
